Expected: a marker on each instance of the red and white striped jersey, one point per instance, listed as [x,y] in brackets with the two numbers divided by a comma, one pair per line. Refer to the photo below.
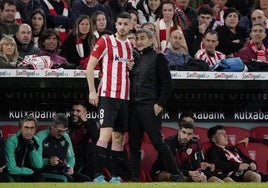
[114,54]
[211,60]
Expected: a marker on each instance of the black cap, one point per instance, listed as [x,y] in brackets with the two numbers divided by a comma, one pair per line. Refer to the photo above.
[231,10]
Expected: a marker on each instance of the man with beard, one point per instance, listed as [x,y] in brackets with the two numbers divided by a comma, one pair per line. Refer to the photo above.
[113,94]
[84,134]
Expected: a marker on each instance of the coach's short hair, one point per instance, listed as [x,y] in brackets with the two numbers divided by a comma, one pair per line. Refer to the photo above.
[148,32]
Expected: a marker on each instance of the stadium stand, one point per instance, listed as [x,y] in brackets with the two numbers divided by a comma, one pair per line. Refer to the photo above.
[201,134]
[235,134]
[148,156]
[259,132]
[168,131]
[256,151]
[8,130]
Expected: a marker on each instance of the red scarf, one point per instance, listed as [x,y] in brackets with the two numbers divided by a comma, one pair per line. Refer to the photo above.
[163,34]
[62,31]
[183,19]
[79,47]
[261,54]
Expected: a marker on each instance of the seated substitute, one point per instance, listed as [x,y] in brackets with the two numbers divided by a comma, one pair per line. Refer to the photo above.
[189,157]
[229,159]
[84,134]
[58,154]
[23,152]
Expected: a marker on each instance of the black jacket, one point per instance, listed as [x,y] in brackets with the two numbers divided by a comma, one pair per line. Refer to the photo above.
[217,156]
[188,157]
[226,38]
[150,78]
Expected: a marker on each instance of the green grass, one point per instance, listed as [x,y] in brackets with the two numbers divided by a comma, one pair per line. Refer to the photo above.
[133,185]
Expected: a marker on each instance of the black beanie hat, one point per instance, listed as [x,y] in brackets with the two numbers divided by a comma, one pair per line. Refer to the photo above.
[231,10]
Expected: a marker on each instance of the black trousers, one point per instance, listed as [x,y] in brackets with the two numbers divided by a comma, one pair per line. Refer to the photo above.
[36,177]
[142,119]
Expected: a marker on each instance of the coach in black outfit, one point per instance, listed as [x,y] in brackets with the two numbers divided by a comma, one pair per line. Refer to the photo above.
[150,87]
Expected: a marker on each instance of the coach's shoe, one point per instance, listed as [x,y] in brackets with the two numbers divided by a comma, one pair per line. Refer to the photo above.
[115,180]
[100,179]
[177,177]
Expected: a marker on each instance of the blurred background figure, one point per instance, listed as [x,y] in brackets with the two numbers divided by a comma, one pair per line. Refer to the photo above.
[38,25]
[8,24]
[79,42]
[8,53]
[209,53]
[166,24]
[59,16]
[186,14]
[98,23]
[149,10]
[25,9]
[230,34]
[50,44]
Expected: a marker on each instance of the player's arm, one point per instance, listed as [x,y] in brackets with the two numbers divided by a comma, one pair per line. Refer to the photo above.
[93,96]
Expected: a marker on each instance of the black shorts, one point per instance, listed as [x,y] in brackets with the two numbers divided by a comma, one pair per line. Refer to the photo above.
[238,175]
[217,174]
[113,113]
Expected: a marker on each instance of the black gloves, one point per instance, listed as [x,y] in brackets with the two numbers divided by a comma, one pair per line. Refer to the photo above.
[31,144]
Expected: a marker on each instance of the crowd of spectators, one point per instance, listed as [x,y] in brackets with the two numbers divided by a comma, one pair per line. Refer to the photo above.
[78,24]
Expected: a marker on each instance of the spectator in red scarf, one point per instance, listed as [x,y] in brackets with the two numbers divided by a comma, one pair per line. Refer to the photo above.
[59,16]
[186,14]
[254,50]
[79,43]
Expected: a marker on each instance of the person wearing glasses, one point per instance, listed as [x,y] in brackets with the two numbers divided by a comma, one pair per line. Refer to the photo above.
[58,153]
[23,153]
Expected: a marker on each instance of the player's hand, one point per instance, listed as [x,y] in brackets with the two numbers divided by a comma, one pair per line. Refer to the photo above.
[204,165]
[243,166]
[93,98]
[212,167]
[245,141]
[253,166]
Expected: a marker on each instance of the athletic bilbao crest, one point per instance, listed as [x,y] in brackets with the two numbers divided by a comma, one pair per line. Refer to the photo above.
[252,154]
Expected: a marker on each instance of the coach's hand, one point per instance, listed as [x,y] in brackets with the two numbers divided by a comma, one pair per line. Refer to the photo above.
[157,109]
